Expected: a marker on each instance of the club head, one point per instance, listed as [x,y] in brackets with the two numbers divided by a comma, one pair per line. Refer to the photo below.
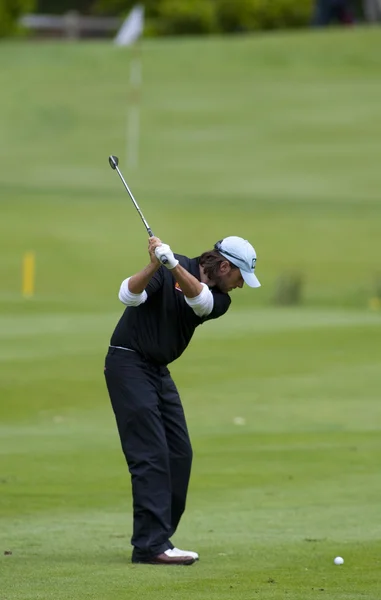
[114,161]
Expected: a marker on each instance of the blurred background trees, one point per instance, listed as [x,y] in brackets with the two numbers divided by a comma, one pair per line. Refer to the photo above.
[10,12]
[169,17]
[57,7]
[177,17]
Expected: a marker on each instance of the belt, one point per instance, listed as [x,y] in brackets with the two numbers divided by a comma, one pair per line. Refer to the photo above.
[121,348]
[162,368]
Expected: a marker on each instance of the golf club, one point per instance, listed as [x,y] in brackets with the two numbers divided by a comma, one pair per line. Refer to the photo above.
[114,162]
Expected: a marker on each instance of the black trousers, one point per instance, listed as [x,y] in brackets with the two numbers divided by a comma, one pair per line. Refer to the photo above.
[155,442]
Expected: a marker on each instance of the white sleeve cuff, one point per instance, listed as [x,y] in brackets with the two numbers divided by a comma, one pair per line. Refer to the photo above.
[202,304]
[128,298]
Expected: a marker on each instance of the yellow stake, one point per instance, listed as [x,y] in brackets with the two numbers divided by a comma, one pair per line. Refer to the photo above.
[28,270]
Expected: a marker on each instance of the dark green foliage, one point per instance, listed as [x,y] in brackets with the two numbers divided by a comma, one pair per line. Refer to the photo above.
[10,12]
[178,17]
[58,7]
[251,15]
[122,7]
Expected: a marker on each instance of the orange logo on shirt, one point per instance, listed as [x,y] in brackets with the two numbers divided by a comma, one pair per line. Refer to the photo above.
[178,287]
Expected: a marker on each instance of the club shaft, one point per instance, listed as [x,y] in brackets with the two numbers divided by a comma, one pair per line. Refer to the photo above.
[149,230]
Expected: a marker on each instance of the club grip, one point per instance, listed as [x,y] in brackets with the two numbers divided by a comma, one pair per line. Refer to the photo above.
[164,259]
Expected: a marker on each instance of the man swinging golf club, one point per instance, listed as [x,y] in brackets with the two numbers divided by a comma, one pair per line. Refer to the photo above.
[165,304]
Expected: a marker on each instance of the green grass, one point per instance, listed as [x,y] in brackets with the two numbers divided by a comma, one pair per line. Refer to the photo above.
[275,138]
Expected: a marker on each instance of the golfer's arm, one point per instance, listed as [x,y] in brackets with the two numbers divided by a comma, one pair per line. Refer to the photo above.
[197,295]
[137,283]
[190,286]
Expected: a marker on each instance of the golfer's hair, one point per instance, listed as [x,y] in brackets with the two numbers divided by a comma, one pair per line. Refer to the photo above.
[210,261]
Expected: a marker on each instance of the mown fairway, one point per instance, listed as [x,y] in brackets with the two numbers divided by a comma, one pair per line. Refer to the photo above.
[277,139]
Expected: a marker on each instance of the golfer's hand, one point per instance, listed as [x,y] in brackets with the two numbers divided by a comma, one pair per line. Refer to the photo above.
[153,243]
[165,255]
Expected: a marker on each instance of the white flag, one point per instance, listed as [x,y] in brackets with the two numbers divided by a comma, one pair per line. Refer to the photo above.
[132,27]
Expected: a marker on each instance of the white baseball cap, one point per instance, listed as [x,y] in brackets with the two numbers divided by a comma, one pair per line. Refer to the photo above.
[241,254]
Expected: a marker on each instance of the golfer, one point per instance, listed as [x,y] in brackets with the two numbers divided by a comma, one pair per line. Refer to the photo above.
[165,302]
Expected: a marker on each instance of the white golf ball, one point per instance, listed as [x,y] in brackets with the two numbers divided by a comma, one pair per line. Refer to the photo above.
[338,560]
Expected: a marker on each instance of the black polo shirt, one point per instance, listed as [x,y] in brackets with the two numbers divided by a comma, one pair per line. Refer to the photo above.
[161,328]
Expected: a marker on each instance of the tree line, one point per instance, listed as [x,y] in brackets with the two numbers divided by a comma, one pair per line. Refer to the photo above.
[176,17]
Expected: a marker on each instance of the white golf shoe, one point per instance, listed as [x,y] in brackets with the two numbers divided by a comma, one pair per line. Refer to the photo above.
[176,552]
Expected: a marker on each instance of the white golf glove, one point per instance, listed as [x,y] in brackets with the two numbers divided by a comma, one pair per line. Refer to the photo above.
[165,255]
